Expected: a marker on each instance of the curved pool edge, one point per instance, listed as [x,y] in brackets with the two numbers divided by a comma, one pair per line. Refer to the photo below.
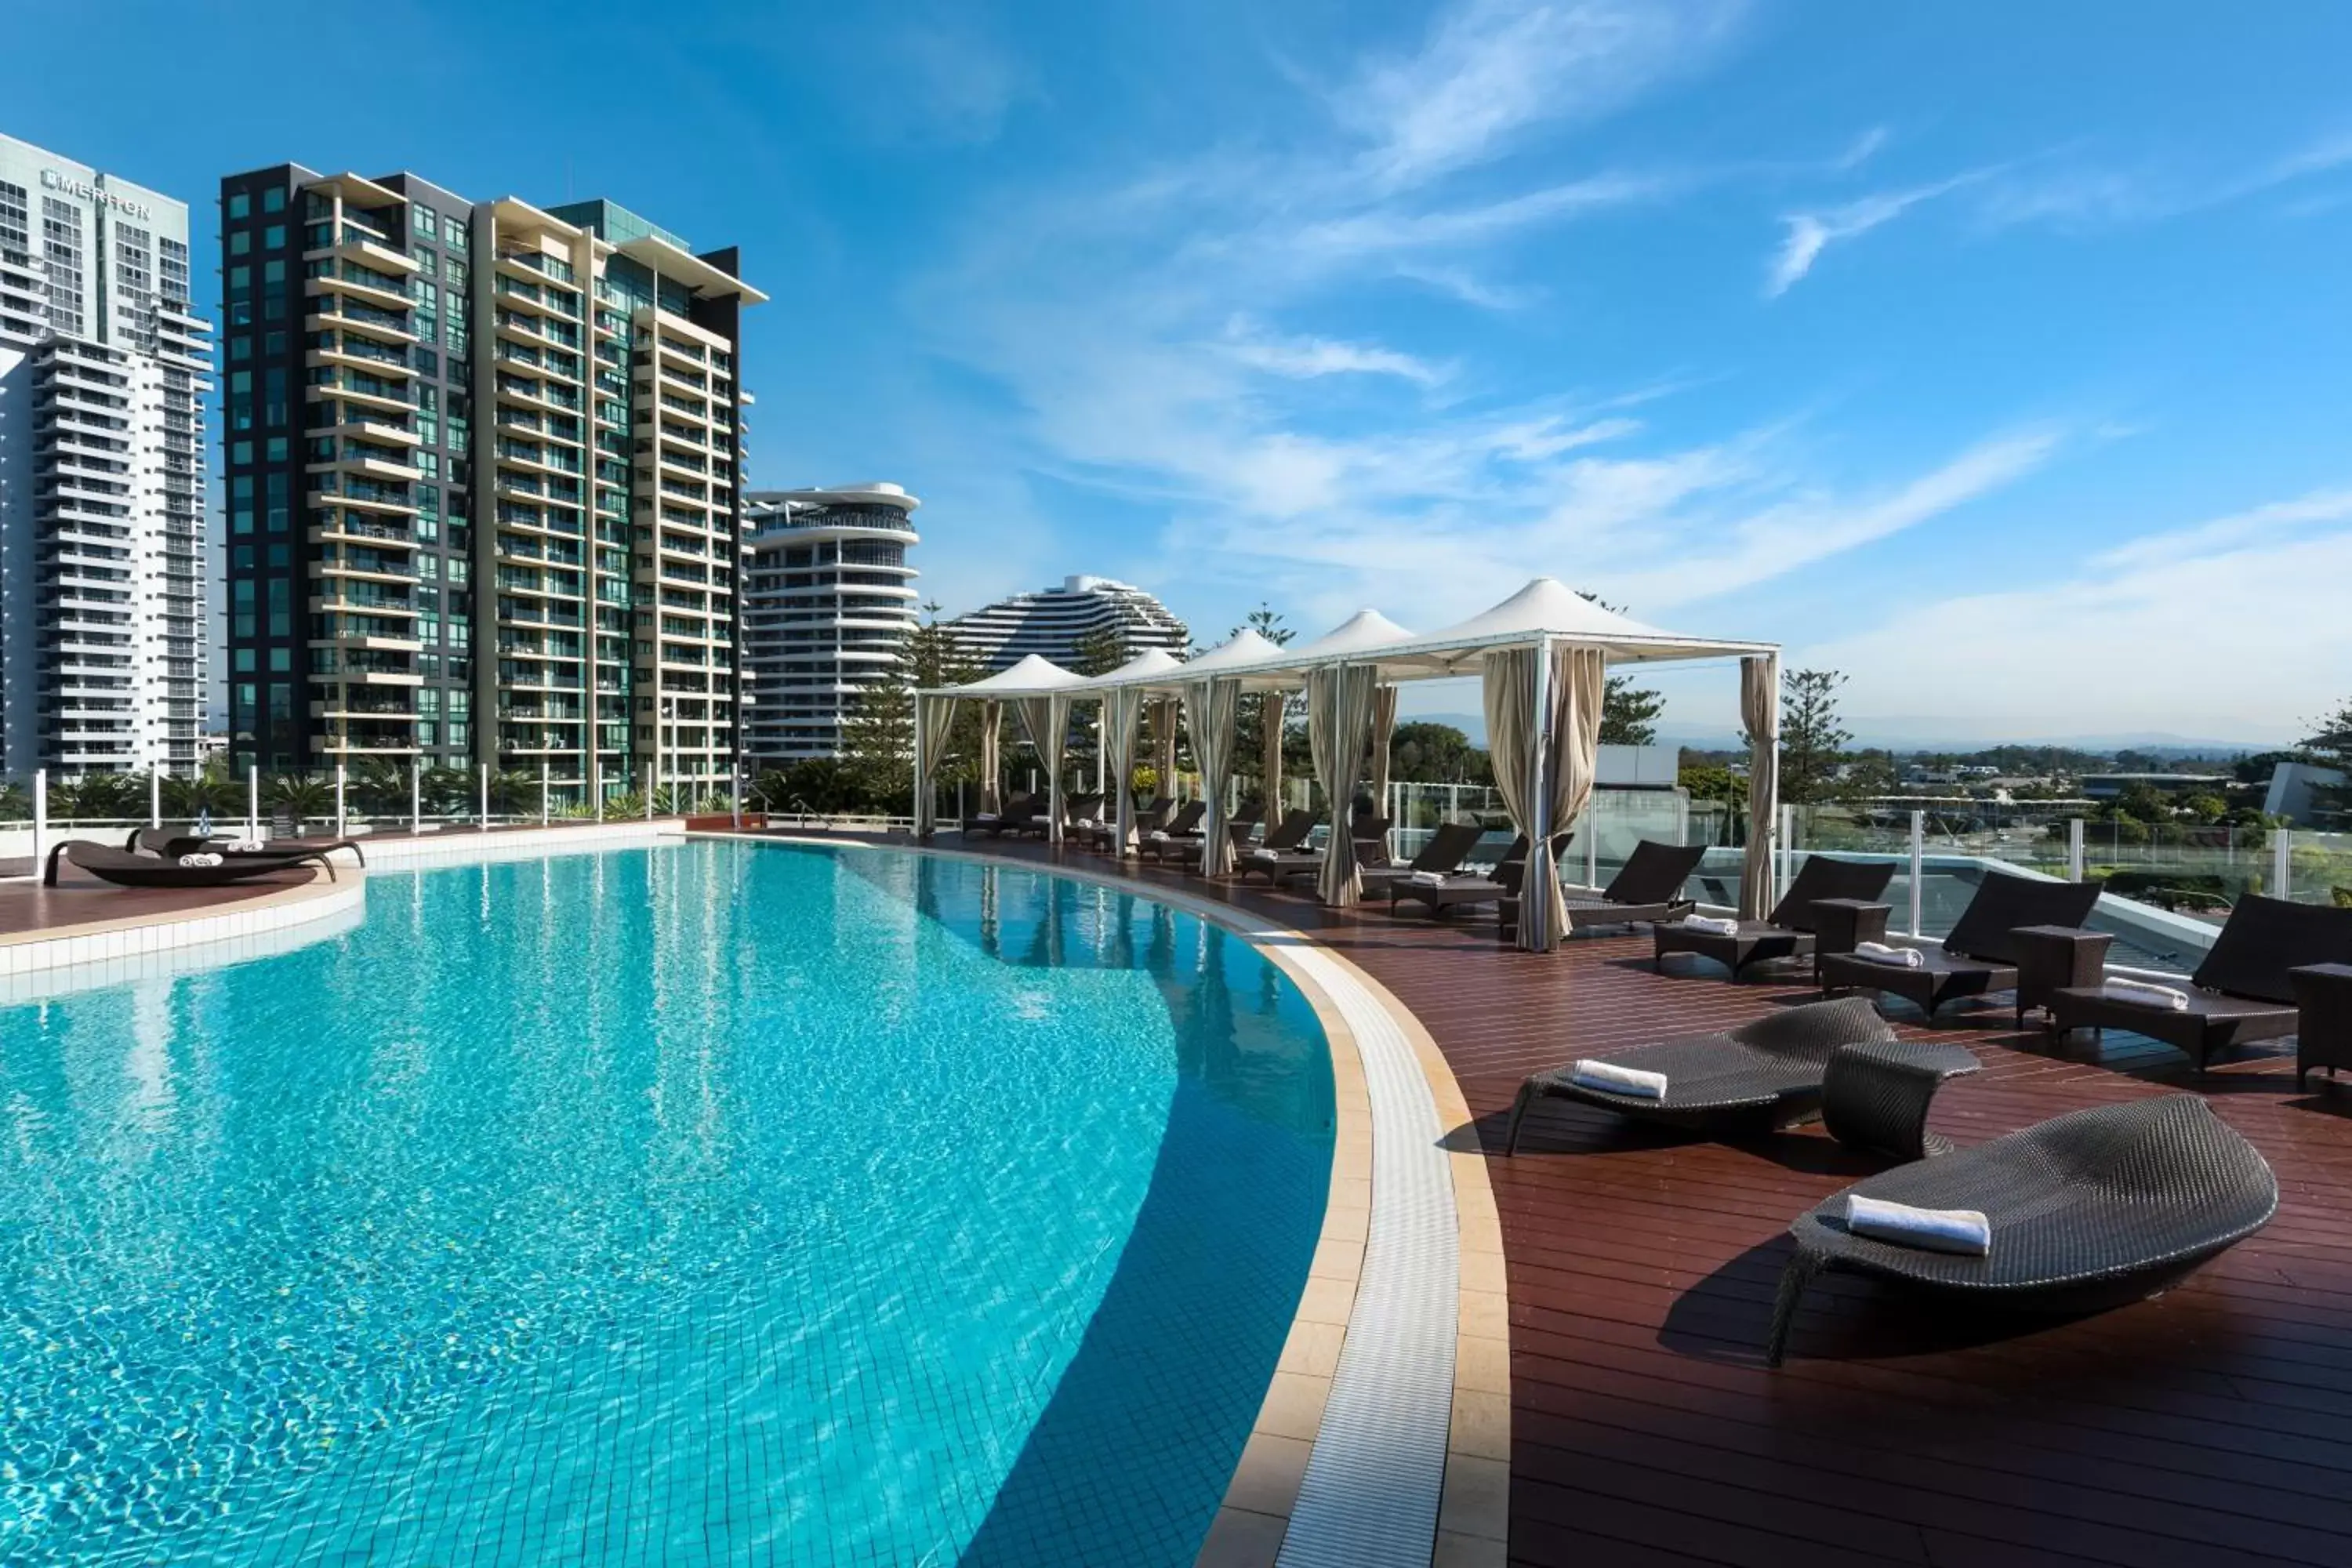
[1387,1421]
[87,953]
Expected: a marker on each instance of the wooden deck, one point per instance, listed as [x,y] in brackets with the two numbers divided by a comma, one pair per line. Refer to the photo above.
[80,900]
[2213,1426]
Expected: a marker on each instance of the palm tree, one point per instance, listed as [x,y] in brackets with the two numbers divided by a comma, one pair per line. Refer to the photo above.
[299,795]
[380,787]
[514,790]
[210,790]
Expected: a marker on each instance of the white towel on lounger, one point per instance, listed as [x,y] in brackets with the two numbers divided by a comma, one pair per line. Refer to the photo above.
[202,858]
[1265,854]
[2145,992]
[1427,878]
[1615,1079]
[1710,924]
[1964,1231]
[1157,837]
[1879,953]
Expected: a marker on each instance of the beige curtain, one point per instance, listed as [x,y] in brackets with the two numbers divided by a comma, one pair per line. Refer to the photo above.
[1759,707]
[1163,745]
[1045,720]
[1269,740]
[1210,709]
[1122,707]
[1579,681]
[1338,719]
[934,718]
[991,730]
[1384,707]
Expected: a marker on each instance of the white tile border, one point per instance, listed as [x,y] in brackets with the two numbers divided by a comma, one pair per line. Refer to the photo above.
[1375,1476]
[459,846]
[34,966]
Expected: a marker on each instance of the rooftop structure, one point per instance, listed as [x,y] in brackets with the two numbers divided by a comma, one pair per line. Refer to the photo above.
[829,601]
[1055,623]
[103,369]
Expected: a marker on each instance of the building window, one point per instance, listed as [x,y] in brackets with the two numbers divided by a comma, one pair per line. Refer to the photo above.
[273,397]
[239,205]
[281,660]
[278,486]
[244,660]
[240,240]
[273,200]
[426,220]
[241,609]
[239,350]
[240,452]
[274,237]
[281,607]
[455,238]
[276,449]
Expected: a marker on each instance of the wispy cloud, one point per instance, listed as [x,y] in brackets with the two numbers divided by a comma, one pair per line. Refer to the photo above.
[2253,597]
[1491,69]
[1809,234]
[1303,358]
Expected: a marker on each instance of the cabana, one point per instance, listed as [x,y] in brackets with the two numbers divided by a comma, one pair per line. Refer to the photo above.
[1542,653]
[1040,693]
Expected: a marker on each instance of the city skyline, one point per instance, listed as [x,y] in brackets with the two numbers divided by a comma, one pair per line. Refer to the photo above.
[1942,344]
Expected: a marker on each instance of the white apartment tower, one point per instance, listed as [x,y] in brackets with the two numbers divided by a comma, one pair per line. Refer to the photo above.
[831,602]
[103,369]
[1055,622]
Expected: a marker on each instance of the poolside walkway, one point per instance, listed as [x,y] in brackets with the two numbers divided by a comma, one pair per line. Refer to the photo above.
[2214,1425]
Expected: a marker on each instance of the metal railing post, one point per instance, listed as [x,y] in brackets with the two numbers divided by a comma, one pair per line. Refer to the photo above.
[2074,862]
[253,803]
[1918,866]
[40,816]
[651,776]
[482,774]
[154,797]
[596,784]
[1593,841]
[342,817]
[542,791]
[415,795]
[2281,863]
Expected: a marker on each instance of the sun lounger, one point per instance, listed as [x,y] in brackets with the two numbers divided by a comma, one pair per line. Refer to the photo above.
[2083,1212]
[1441,857]
[1371,834]
[1181,836]
[167,845]
[1763,1074]
[1281,844]
[1649,887]
[125,868]
[1499,887]
[1015,813]
[1982,952]
[2244,990]
[1827,909]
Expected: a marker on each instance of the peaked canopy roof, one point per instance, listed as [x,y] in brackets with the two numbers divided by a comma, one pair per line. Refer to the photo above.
[1032,675]
[1544,610]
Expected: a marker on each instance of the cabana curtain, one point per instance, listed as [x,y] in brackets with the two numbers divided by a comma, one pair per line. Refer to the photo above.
[1580,683]
[1338,719]
[1760,706]
[1384,710]
[1163,747]
[1045,720]
[1122,707]
[934,719]
[991,729]
[1271,718]
[1209,710]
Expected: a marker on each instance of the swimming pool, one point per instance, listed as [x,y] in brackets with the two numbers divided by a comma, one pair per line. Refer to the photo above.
[718,1203]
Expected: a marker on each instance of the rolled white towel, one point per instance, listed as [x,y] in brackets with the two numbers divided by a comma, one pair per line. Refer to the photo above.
[1427,878]
[1615,1079]
[245,846]
[2145,992]
[201,858]
[1964,1231]
[1879,953]
[1710,924]
[1264,854]
[1157,837]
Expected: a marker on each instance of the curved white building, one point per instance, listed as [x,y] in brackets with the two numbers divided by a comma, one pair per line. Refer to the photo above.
[830,602]
[1054,621]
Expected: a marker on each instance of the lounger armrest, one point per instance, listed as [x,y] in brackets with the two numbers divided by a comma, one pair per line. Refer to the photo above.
[1841,924]
[2322,994]
[2057,958]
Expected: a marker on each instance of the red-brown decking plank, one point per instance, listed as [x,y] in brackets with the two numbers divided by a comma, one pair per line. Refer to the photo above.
[2213,1426]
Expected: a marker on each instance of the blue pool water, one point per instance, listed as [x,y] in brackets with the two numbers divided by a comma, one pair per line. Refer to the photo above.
[724,1203]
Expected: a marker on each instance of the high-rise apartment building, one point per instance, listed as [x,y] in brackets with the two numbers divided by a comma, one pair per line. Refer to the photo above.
[484,470]
[103,370]
[830,602]
[1055,622]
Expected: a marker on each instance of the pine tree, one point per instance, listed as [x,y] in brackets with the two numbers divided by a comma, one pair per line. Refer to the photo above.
[1627,711]
[1811,739]
[877,734]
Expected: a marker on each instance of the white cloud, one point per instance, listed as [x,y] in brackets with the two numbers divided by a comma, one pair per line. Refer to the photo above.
[2219,630]
[1808,234]
[1304,358]
[1490,70]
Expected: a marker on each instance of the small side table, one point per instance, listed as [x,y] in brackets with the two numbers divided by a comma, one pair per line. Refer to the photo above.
[2056,958]
[1840,925]
[2323,1037]
[1876,1096]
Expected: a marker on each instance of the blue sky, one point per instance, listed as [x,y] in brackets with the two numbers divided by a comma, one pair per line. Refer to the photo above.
[1995,355]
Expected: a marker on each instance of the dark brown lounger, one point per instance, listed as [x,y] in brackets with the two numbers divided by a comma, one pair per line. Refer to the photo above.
[1370,833]
[1499,887]
[126,870]
[171,846]
[1016,813]
[1442,856]
[1980,956]
[2244,990]
[1828,908]
[1649,887]
[1280,842]
[1181,836]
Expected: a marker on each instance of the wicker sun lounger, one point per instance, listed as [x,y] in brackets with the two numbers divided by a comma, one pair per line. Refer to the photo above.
[1281,842]
[1982,955]
[1499,887]
[1829,906]
[2087,1211]
[171,846]
[125,868]
[1442,854]
[1649,887]
[2244,990]
[1015,813]
[1763,1074]
[1181,836]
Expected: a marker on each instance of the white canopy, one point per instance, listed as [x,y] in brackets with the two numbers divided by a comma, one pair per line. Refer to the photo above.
[1034,676]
